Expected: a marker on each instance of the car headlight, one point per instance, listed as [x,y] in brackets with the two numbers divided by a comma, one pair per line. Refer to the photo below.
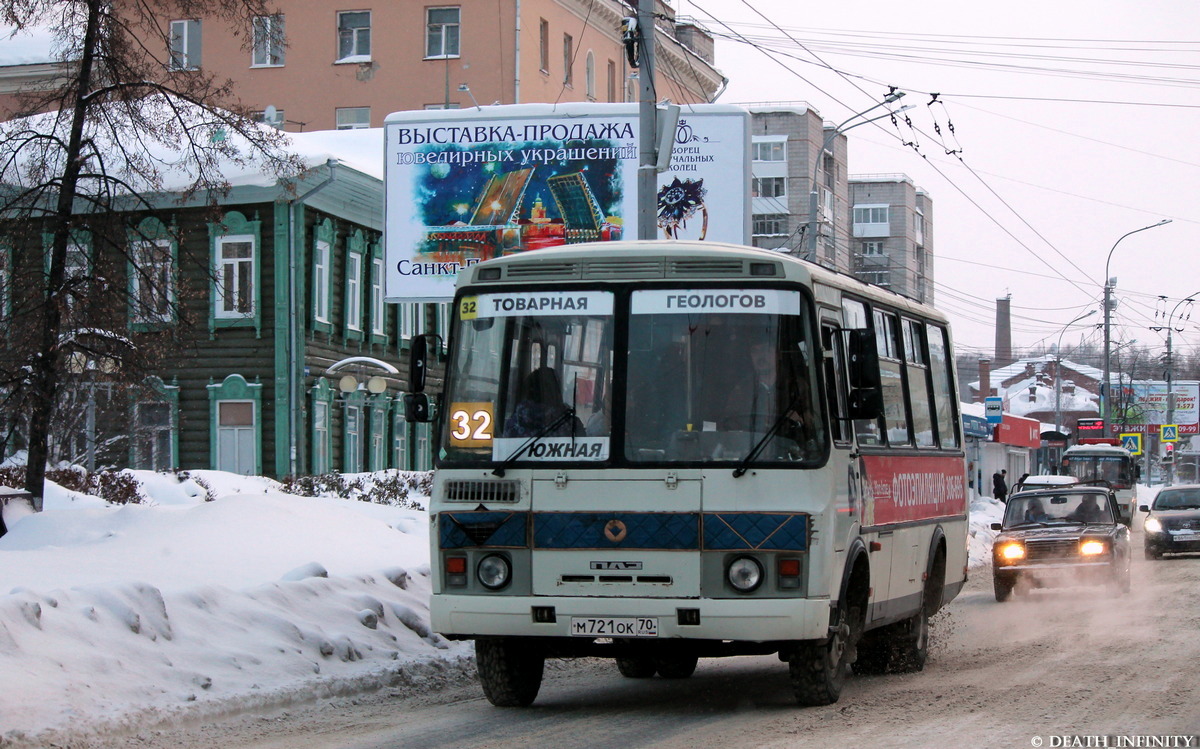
[745,574]
[1092,548]
[1153,525]
[493,571]
[1011,551]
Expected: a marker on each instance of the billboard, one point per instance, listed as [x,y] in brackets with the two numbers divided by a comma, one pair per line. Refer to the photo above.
[462,186]
[1142,407]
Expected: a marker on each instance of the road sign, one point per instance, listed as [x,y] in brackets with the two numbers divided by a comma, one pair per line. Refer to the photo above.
[1169,432]
[993,408]
[1132,443]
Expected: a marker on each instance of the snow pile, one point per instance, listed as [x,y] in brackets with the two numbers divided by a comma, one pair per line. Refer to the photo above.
[984,512]
[118,616]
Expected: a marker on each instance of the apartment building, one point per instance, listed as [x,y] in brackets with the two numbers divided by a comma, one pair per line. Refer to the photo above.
[892,234]
[791,148]
[322,66]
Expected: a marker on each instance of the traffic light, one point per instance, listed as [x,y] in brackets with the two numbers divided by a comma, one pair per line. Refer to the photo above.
[1168,452]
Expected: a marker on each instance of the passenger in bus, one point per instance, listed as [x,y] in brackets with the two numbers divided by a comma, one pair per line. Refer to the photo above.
[599,424]
[539,404]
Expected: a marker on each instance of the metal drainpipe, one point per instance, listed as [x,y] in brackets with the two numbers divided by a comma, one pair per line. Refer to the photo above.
[293,312]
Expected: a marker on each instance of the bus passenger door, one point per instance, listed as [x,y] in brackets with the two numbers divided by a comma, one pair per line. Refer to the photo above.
[843,462]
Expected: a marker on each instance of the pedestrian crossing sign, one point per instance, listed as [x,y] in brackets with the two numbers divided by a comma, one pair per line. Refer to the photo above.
[1169,432]
[1132,443]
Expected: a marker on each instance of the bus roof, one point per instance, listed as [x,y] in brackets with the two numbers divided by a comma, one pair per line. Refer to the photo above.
[680,260]
[1095,450]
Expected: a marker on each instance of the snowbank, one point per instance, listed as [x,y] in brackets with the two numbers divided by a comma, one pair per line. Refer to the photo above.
[116,616]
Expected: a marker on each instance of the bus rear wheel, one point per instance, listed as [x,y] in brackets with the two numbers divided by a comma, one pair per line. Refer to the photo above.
[510,670]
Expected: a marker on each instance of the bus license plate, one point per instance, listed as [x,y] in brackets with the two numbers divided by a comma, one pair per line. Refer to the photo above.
[614,626]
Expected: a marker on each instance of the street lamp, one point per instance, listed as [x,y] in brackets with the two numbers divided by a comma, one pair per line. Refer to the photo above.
[892,97]
[1108,287]
[1170,327]
[1058,372]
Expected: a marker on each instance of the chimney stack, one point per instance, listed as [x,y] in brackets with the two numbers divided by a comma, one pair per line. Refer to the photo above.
[1004,354]
[985,379]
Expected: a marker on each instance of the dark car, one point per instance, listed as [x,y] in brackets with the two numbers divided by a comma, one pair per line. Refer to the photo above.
[1173,525]
[1068,535]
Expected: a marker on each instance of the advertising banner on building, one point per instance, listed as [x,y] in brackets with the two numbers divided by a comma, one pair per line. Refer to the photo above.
[1142,407]
[462,186]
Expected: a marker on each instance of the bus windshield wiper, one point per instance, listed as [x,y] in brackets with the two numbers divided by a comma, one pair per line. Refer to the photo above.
[568,413]
[758,446]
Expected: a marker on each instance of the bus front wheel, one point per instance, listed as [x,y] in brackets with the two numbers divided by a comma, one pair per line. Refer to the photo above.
[818,669]
[510,670]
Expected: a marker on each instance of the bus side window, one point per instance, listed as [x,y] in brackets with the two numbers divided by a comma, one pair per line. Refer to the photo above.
[835,382]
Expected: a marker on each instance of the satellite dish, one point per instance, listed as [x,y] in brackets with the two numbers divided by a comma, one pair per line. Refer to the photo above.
[269,113]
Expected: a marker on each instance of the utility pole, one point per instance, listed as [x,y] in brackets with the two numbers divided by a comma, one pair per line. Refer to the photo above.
[647,182]
[1169,327]
[1109,283]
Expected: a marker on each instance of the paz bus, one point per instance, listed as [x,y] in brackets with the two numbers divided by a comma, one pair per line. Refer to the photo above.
[657,452]
[1104,458]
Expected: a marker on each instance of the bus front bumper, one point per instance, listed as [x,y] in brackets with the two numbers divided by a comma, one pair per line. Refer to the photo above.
[743,619]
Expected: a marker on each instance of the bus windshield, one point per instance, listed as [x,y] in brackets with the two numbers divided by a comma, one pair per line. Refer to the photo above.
[712,376]
[1115,469]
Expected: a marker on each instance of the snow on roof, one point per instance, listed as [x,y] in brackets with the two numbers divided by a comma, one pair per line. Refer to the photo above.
[361,150]
[31,46]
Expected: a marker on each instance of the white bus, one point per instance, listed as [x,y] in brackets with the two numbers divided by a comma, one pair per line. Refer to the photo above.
[663,451]
[1110,462]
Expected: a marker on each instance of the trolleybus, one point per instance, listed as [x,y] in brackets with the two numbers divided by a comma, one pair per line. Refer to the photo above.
[658,452]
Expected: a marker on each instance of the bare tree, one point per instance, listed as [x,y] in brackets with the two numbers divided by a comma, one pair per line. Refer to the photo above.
[135,119]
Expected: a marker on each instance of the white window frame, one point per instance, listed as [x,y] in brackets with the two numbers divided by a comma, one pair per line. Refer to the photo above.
[355,37]
[377,316]
[354,269]
[238,434]
[873,248]
[412,320]
[759,220]
[146,435]
[184,45]
[321,442]
[871,220]
[269,46]
[322,253]
[590,75]
[353,431]
[436,45]
[223,293]
[352,118]
[770,151]
[159,266]
[568,57]
[761,181]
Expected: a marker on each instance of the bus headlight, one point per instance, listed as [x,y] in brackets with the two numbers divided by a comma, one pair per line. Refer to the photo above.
[745,574]
[493,571]
[1153,525]
[1012,551]
[1091,548]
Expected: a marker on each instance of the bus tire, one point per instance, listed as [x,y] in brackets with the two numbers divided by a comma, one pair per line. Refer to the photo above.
[818,669]
[636,667]
[679,666]
[510,670]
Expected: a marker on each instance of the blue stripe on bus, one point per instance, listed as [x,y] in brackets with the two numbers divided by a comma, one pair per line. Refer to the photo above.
[457,530]
[761,531]
[672,531]
[616,530]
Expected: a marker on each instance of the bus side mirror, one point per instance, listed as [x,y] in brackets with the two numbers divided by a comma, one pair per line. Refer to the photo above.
[866,391]
[418,408]
[418,364]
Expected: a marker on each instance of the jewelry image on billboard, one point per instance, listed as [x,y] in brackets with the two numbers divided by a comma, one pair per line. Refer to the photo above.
[679,201]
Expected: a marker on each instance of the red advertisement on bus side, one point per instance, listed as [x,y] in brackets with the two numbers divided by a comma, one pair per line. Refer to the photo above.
[907,488]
